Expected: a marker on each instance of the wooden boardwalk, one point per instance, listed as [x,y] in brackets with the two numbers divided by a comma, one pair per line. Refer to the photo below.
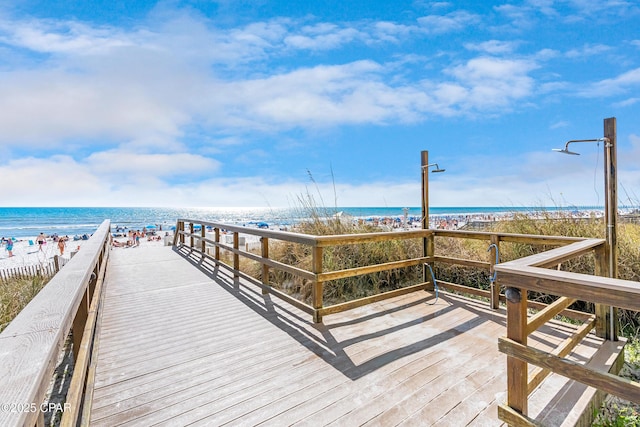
[178,345]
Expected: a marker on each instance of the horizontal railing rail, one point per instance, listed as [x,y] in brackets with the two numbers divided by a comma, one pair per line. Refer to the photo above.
[193,233]
[31,343]
[533,273]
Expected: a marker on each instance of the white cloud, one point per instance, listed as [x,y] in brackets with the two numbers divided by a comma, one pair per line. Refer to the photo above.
[46,107]
[588,50]
[48,36]
[128,165]
[349,93]
[493,82]
[493,47]
[614,86]
[323,37]
[517,16]
[626,103]
[454,21]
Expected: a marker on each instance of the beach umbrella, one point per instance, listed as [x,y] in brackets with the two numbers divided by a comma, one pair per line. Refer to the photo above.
[150,226]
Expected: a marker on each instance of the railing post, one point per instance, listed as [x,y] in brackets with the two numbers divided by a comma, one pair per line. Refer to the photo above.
[603,312]
[495,287]
[517,378]
[191,235]
[236,260]
[429,252]
[611,214]
[79,321]
[203,244]
[317,284]
[217,239]
[264,242]
[181,227]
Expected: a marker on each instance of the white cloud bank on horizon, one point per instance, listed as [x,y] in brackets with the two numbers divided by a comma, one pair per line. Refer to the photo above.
[110,179]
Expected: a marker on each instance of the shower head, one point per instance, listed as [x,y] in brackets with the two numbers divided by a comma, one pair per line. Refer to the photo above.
[436,170]
[565,151]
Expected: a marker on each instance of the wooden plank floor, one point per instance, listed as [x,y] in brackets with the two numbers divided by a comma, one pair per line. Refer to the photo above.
[179,346]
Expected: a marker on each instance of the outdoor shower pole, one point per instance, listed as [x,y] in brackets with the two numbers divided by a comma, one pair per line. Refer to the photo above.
[424,157]
[611,209]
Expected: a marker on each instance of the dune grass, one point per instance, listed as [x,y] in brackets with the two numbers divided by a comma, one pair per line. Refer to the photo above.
[15,294]
[322,222]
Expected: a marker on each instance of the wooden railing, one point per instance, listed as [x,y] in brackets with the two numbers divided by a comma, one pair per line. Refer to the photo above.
[533,273]
[31,344]
[192,233]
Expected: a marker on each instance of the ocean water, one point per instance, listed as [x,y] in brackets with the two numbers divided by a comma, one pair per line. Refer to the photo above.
[29,222]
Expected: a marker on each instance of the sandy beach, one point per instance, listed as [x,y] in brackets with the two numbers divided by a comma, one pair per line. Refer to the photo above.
[27,254]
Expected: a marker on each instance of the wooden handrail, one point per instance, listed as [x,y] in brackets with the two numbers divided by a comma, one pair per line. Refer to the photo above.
[75,395]
[599,290]
[186,229]
[609,383]
[527,274]
[562,350]
[359,271]
[557,256]
[543,316]
[30,345]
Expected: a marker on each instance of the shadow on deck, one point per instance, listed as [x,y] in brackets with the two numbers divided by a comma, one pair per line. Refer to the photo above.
[181,343]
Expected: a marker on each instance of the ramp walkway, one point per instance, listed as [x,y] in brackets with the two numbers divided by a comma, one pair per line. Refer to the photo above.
[179,344]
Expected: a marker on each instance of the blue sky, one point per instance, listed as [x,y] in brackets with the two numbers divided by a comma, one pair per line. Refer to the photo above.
[258,103]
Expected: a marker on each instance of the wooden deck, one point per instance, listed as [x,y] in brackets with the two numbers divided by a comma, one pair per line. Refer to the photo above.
[178,345]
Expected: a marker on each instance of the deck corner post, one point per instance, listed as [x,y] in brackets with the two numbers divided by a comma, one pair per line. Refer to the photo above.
[191,230]
[318,285]
[264,243]
[517,377]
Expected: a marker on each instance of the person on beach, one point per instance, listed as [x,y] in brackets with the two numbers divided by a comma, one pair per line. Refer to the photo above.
[61,245]
[10,246]
[41,239]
